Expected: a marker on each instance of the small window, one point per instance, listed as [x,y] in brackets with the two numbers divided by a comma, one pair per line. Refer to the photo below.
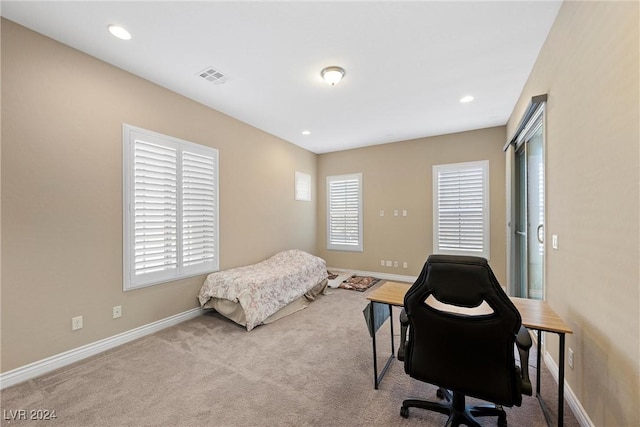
[461,209]
[170,208]
[344,212]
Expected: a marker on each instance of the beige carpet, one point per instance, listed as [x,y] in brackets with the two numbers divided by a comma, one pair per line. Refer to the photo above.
[312,368]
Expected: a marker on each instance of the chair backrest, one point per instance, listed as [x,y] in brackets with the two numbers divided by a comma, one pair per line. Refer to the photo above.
[469,353]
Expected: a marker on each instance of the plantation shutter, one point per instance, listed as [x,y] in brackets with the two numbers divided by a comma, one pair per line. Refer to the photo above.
[198,209]
[154,208]
[461,209]
[171,209]
[344,212]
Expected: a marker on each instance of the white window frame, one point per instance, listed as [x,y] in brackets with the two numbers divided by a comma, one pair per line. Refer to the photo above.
[193,202]
[470,246]
[333,243]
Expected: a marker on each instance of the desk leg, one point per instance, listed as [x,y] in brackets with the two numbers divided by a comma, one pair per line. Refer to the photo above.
[372,316]
[561,381]
[377,379]
[538,362]
[545,410]
[393,348]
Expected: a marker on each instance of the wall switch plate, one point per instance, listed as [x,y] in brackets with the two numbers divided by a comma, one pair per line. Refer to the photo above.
[117,311]
[554,241]
[404,212]
[381,213]
[76,323]
[405,264]
[395,263]
[382,262]
[395,212]
[570,361]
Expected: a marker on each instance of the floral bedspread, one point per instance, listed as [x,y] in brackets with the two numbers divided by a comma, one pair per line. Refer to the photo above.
[266,287]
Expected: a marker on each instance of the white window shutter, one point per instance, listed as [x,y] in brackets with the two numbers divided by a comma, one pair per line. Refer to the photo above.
[344,212]
[171,208]
[461,209]
[154,206]
[199,200]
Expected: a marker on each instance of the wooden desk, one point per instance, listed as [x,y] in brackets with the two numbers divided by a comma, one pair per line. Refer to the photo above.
[536,314]
[392,294]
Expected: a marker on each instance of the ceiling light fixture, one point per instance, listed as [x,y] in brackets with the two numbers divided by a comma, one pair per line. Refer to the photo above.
[466,99]
[119,32]
[306,132]
[332,75]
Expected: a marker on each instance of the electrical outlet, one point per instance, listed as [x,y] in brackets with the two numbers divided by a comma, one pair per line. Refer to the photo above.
[76,323]
[117,311]
[382,262]
[570,361]
[388,263]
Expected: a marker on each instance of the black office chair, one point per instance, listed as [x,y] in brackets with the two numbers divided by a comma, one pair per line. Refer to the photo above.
[468,353]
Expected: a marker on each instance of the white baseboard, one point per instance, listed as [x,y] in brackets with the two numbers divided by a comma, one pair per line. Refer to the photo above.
[385,276]
[574,403]
[49,364]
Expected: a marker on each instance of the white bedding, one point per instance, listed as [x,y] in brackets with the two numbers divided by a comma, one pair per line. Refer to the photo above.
[264,288]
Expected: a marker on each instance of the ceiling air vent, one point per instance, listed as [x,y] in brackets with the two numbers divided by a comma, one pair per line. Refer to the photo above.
[213,75]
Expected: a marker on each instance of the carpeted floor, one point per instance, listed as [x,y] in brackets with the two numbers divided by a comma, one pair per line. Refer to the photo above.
[312,368]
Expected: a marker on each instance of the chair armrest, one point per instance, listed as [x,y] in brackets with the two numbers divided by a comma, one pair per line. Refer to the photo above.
[404,325]
[524,343]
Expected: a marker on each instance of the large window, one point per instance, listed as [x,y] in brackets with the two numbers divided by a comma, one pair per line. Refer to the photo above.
[170,208]
[344,212]
[461,209]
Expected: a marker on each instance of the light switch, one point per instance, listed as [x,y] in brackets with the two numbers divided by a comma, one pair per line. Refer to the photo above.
[381,213]
[395,212]
[404,212]
[554,241]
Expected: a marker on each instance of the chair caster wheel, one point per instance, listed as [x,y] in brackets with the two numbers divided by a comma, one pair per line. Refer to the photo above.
[502,421]
[440,394]
[404,412]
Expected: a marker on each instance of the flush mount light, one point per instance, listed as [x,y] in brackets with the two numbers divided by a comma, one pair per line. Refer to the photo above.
[466,99]
[119,32]
[332,75]
[306,132]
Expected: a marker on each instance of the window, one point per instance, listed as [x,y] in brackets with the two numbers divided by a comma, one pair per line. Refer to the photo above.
[461,209]
[170,208]
[344,212]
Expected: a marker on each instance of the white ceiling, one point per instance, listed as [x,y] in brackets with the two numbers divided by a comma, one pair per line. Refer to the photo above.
[407,63]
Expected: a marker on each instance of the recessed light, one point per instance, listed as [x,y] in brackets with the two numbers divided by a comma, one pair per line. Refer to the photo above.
[466,99]
[119,32]
[306,132]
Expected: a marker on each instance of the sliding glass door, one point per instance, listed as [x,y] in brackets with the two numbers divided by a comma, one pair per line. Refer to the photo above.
[528,209]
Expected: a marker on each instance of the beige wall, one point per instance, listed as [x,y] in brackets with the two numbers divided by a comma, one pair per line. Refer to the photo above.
[62,115]
[589,67]
[399,176]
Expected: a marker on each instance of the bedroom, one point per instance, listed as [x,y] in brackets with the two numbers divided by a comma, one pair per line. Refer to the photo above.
[62,196]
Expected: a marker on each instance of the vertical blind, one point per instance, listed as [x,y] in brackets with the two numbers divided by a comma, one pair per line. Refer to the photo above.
[344,212]
[461,209]
[171,215]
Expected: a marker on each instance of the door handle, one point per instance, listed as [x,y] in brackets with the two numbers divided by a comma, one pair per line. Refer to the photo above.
[540,235]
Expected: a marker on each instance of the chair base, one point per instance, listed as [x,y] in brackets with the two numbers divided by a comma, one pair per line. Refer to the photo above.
[455,407]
